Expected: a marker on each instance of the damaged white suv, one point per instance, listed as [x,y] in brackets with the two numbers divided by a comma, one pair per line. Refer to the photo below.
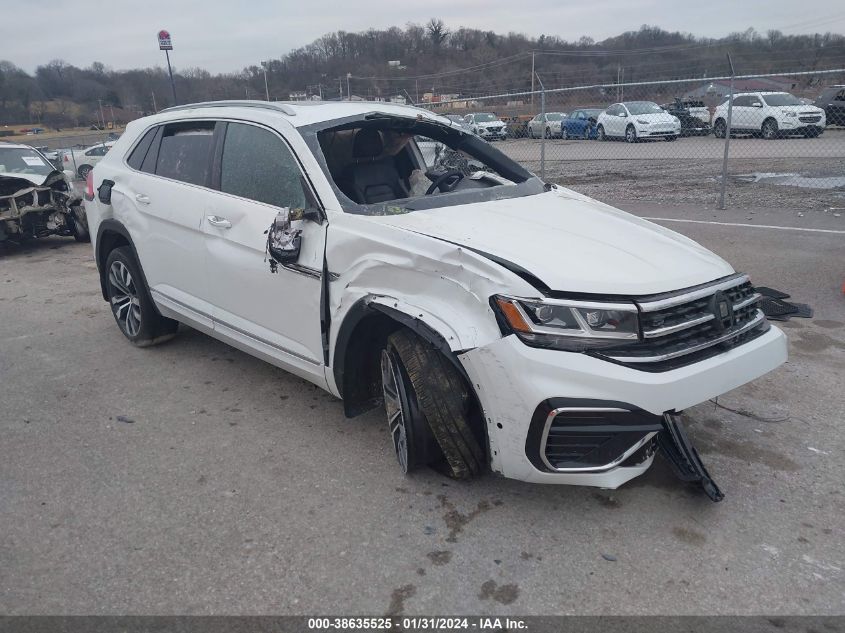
[390,257]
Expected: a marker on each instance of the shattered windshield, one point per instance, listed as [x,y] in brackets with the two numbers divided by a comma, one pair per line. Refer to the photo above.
[17,160]
[383,164]
[643,107]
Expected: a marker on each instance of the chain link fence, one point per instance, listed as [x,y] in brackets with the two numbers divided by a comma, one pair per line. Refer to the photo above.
[669,141]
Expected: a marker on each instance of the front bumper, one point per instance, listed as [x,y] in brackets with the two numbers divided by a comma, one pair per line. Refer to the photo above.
[512,380]
[496,133]
[654,132]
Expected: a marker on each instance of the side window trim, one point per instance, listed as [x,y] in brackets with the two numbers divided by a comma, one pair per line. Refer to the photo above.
[308,187]
[152,153]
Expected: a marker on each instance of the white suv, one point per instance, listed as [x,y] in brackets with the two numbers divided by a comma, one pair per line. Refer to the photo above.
[501,321]
[487,126]
[770,115]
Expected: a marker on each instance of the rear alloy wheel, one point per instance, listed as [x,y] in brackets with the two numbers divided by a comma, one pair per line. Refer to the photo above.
[631,134]
[131,304]
[719,129]
[548,132]
[428,405]
[770,129]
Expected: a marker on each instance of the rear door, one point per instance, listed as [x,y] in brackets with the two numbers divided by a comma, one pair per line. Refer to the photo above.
[161,199]
[273,314]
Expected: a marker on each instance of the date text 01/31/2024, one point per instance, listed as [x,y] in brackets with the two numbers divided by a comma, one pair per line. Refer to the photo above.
[419,623]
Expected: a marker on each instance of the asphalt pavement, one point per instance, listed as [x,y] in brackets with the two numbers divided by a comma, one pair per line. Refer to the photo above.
[192,478]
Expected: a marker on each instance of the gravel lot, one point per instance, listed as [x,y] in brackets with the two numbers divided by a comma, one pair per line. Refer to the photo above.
[689,170]
[192,478]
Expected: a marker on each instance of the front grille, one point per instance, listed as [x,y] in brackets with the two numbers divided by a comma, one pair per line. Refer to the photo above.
[694,324]
[810,119]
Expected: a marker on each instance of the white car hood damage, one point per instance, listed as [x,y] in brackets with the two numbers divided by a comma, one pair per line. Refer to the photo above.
[36,179]
[572,243]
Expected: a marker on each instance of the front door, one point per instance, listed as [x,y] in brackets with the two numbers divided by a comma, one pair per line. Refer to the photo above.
[274,314]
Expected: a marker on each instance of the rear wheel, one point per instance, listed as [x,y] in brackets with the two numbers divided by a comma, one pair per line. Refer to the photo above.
[131,304]
[428,405]
[631,134]
[770,129]
[548,132]
[83,171]
[600,135]
[720,128]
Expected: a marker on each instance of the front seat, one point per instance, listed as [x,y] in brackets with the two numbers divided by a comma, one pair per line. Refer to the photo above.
[372,179]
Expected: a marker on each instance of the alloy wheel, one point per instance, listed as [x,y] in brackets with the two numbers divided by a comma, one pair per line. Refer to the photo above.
[124,299]
[395,406]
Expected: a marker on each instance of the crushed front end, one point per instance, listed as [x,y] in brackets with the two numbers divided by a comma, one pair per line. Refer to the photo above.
[28,210]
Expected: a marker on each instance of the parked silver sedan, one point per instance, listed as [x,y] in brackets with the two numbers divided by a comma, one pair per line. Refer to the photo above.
[548,123]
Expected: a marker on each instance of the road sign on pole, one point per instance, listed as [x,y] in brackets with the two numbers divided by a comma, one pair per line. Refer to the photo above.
[166,44]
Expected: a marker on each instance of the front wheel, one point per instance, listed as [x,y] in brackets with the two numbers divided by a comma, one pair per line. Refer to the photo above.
[600,135]
[770,129]
[131,304]
[631,134]
[719,129]
[428,405]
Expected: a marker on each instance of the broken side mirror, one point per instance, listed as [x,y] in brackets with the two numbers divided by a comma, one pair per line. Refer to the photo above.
[283,241]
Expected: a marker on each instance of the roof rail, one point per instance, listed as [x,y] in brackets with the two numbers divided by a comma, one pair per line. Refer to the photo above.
[267,105]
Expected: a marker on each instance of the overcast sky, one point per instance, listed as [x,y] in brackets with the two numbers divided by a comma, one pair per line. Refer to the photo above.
[228,35]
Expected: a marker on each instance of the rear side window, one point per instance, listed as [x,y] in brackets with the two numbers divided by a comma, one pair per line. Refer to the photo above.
[258,165]
[184,153]
[136,158]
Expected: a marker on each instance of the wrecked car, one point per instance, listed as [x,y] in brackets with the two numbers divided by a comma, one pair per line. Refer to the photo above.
[386,255]
[36,199]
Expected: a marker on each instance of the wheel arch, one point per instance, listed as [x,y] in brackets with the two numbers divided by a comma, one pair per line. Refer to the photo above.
[112,234]
[357,349]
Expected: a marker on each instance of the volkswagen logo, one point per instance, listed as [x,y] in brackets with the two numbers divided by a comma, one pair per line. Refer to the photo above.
[723,311]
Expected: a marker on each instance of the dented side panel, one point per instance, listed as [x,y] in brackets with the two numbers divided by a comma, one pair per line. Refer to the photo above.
[445,286]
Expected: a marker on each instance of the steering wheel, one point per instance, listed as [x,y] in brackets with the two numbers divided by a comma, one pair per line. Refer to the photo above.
[446,182]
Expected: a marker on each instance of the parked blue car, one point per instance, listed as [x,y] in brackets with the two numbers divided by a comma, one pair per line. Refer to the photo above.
[580,123]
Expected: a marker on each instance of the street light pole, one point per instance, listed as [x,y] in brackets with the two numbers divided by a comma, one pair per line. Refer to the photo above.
[348,93]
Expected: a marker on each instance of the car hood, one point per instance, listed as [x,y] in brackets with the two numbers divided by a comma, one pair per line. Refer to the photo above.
[491,124]
[800,108]
[572,243]
[35,179]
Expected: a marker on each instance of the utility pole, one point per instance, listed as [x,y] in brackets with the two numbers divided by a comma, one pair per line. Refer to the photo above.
[102,116]
[417,89]
[618,79]
[340,87]
[111,109]
[348,92]
[155,107]
[724,182]
[532,78]
[266,88]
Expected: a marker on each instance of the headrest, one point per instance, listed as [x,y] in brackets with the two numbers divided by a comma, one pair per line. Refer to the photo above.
[367,143]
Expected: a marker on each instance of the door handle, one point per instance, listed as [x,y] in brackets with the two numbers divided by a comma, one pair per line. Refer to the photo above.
[220,223]
[143,199]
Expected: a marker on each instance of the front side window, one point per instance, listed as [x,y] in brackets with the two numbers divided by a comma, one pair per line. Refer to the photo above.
[258,165]
[743,101]
[184,153]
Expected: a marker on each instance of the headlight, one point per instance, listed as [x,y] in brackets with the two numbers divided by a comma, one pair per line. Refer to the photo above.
[641,122]
[569,325]
[789,113]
